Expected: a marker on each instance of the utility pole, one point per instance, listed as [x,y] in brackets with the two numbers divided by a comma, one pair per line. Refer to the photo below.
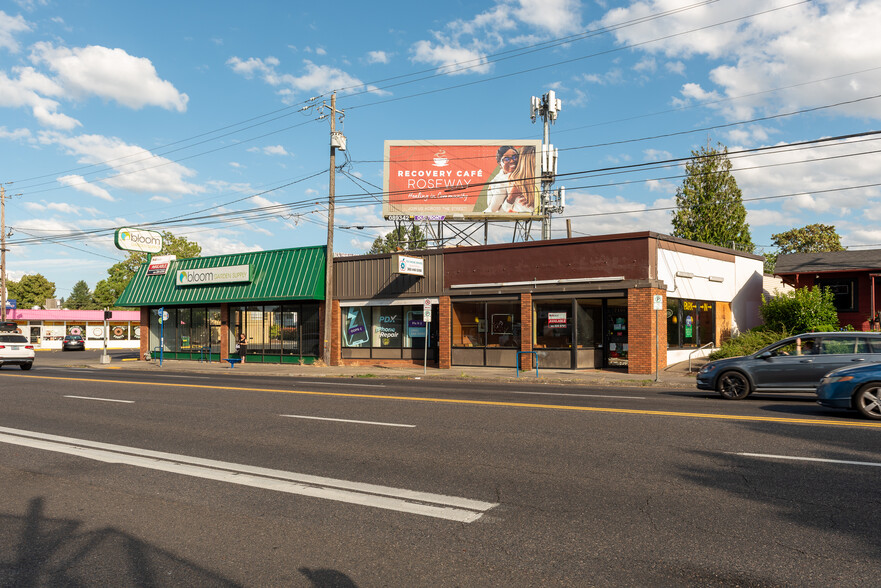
[3,252]
[337,140]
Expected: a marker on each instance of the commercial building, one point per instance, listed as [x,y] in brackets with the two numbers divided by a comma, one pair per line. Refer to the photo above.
[638,301]
[47,328]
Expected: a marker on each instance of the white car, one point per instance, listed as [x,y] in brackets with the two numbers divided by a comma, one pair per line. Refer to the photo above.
[16,350]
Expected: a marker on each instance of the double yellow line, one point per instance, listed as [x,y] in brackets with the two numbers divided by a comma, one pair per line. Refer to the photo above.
[696,415]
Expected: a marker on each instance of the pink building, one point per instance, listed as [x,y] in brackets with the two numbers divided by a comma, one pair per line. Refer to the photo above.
[47,328]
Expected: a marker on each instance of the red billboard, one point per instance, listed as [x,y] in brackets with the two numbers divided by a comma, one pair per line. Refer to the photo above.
[462,179]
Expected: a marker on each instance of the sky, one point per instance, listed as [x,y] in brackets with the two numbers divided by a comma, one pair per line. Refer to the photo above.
[210,119]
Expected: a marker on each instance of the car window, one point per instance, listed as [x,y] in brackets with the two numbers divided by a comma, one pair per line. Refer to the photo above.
[838,345]
[802,346]
[13,339]
[874,345]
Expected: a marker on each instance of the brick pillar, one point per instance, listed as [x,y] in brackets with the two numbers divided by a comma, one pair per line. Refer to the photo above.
[145,331]
[224,331]
[336,350]
[445,338]
[526,330]
[645,327]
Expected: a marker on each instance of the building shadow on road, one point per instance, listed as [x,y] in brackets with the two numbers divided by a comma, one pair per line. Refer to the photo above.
[40,551]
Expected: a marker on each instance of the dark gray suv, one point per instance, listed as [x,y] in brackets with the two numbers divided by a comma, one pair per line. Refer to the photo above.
[795,364]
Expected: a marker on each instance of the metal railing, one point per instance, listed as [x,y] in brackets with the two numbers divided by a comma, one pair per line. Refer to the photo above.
[701,348]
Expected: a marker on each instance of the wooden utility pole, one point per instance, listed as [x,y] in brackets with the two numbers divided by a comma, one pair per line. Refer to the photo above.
[328,272]
[3,253]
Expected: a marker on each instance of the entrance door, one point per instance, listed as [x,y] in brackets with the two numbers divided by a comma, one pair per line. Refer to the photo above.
[35,335]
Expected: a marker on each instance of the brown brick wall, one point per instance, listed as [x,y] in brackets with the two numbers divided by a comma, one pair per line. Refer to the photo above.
[145,331]
[645,332]
[526,330]
[336,350]
[444,343]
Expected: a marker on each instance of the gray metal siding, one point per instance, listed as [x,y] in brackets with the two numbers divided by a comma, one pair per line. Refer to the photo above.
[363,278]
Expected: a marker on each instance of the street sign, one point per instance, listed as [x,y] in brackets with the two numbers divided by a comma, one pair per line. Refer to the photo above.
[426,310]
[658,302]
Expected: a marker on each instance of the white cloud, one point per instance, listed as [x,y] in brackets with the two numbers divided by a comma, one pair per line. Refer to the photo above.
[557,17]
[449,58]
[14,135]
[275,150]
[136,168]
[80,183]
[377,57]
[20,92]
[109,73]
[161,199]
[315,78]
[810,51]
[631,215]
[9,27]
[656,155]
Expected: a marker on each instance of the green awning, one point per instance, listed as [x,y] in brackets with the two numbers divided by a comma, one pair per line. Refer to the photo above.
[282,274]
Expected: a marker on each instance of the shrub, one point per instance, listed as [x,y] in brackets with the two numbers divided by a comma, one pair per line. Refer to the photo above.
[749,342]
[800,311]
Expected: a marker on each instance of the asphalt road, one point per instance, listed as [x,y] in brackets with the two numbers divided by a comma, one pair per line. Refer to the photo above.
[126,477]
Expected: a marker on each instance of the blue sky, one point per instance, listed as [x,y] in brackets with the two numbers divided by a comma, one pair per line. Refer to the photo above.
[117,113]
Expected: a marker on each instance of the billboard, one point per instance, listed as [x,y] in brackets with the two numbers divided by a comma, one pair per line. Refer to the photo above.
[437,180]
[138,240]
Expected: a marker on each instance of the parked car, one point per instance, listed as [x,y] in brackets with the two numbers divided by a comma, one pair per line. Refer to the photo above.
[794,364]
[73,343]
[16,350]
[854,387]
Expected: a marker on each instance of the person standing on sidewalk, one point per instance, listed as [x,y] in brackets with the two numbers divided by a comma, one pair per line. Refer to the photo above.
[242,346]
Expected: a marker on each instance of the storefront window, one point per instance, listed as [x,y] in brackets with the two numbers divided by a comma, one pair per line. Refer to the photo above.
[118,331]
[76,329]
[616,332]
[214,328]
[414,327]
[503,321]
[272,329]
[356,326]
[290,339]
[388,323]
[553,324]
[469,324]
[53,331]
[690,323]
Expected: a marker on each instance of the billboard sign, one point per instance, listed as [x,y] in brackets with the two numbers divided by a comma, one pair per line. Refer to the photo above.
[138,240]
[159,264]
[213,275]
[414,266]
[462,180]
[11,304]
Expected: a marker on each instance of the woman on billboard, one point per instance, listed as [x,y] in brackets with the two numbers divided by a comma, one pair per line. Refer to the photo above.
[522,191]
[497,193]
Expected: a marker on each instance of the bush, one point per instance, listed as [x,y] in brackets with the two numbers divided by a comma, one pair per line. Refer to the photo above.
[749,342]
[801,311]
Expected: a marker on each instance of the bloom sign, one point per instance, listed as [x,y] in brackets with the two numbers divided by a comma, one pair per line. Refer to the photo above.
[462,179]
[213,275]
[138,240]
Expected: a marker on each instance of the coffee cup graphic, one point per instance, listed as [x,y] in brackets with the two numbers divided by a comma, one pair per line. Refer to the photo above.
[440,159]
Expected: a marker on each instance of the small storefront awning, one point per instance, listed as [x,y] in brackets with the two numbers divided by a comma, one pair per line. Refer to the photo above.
[282,274]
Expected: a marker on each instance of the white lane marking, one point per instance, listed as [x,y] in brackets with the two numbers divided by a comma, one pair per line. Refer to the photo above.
[793,458]
[102,399]
[581,395]
[343,384]
[314,418]
[185,377]
[440,506]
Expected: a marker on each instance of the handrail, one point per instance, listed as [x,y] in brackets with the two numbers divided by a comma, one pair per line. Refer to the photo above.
[701,348]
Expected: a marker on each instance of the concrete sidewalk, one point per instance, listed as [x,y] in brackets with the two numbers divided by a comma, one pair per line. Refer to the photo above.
[675,376]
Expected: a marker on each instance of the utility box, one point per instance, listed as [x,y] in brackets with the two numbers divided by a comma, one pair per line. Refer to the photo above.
[338,140]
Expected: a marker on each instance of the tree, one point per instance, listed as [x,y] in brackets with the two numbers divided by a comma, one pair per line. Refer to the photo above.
[32,290]
[810,239]
[108,290]
[80,297]
[400,239]
[709,203]
[800,311]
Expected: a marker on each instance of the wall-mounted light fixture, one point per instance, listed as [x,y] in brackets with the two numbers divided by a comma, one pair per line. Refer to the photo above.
[684,275]
[718,279]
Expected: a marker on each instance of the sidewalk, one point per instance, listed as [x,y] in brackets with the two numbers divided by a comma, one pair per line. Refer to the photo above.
[675,376]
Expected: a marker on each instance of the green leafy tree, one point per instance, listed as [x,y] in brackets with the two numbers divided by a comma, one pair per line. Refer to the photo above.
[32,290]
[108,290]
[400,239]
[709,203]
[80,297]
[800,311]
[810,239]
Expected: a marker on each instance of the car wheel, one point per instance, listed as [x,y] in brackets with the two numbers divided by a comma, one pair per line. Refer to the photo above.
[733,386]
[867,400]
[27,366]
